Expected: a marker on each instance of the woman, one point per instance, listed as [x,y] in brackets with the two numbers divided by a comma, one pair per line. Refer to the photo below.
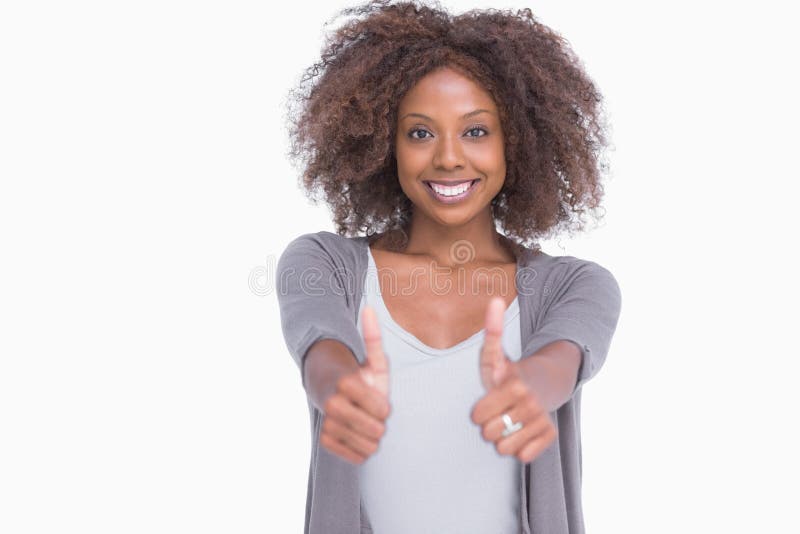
[458,409]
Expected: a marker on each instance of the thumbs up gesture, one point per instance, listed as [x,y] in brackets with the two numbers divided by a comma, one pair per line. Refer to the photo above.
[510,414]
[356,413]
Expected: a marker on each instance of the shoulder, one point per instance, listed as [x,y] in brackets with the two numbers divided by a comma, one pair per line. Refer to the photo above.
[327,247]
[538,259]
[552,274]
[327,241]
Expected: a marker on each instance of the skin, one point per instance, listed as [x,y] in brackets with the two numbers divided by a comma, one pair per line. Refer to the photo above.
[446,145]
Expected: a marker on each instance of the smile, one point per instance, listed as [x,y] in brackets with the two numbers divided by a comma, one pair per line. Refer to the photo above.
[451,194]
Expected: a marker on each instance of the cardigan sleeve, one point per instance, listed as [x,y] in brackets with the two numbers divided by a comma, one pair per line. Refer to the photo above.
[582,305]
[316,298]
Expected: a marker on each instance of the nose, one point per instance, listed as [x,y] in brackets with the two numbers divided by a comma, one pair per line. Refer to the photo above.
[448,154]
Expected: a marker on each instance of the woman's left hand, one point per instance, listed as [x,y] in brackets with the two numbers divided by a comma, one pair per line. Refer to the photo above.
[507,393]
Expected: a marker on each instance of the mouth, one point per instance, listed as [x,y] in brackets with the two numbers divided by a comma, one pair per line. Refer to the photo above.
[452,192]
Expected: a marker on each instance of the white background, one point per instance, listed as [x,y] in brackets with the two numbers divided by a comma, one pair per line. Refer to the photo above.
[145,386]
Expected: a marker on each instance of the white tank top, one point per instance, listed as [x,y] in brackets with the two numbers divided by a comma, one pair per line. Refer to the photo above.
[433,471]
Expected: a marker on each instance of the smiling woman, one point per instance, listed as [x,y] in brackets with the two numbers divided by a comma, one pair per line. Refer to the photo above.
[432,395]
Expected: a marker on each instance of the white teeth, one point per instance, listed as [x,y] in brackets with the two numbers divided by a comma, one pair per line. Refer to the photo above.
[450,191]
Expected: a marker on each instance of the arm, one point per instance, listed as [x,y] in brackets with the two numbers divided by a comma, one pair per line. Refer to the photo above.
[316,299]
[581,316]
[326,361]
[551,373]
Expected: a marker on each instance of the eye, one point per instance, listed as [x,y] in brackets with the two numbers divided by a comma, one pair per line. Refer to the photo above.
[477,129]
[415,130]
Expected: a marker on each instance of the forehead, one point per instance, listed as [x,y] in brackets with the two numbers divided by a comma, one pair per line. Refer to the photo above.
[443,92]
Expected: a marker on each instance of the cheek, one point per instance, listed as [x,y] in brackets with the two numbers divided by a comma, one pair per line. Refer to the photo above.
[410,161]
[491,159]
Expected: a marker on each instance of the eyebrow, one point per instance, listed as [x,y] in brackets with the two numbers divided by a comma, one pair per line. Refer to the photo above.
[464,116]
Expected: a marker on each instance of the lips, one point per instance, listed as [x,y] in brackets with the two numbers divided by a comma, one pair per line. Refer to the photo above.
[450,198]
[449,183]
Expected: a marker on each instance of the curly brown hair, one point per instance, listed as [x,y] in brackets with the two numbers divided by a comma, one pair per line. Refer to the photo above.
[342,116]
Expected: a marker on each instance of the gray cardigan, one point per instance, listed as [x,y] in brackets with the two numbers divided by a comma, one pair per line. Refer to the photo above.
[319,283]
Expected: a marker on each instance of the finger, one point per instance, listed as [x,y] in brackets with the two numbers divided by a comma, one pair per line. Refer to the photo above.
[330,443]
[492,356]
[359,444]
[513,443]
[535,447]
[372,401]
[376,368]
[498,401]
[528,415]
[341,409]
[369,405]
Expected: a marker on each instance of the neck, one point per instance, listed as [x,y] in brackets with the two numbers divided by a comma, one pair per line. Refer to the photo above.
[475,241]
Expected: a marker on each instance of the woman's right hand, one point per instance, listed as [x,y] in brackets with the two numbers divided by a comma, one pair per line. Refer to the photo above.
[355,414]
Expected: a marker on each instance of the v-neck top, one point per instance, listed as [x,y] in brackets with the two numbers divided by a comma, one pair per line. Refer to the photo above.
[417,480]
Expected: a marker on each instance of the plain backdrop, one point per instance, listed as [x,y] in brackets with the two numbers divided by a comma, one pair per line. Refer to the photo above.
[146,195]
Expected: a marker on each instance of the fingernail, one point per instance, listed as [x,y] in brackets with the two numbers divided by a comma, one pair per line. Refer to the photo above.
[369,379]
[498,375]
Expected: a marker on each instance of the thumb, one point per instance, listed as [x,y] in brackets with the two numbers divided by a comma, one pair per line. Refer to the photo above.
[376,369]
[493,361]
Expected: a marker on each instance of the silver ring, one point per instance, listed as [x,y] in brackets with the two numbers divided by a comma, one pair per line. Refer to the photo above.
[510,427]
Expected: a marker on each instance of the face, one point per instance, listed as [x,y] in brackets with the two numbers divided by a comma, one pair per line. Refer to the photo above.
[450,153]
